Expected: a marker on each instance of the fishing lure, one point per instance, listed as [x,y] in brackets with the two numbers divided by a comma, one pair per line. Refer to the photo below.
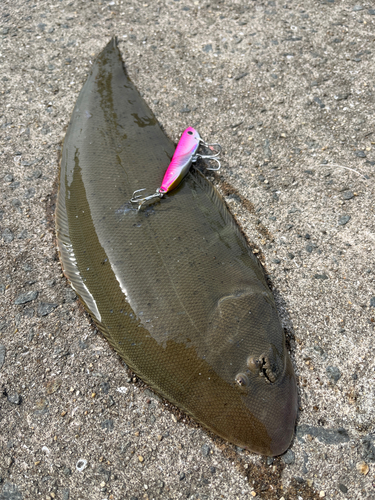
[184,155]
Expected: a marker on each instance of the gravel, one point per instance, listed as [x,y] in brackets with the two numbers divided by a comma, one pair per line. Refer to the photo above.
[333,373]
[321,276]
[205,450]
[14,398]
[107,425]
[10,491]
[326,436]
[45,308]
[344,219]
[369,448]
[348,195]
[23,298]
[289,457]
[343,488]
[7,235]
[2,355]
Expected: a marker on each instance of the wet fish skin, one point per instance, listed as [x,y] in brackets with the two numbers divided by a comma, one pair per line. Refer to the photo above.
[174,287]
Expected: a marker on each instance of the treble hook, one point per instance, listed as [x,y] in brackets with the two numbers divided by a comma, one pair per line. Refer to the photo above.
[209,157]
[211,146]
[138,199]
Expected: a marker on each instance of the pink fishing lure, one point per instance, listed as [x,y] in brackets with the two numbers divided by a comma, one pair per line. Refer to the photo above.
[184,155]
[181,160]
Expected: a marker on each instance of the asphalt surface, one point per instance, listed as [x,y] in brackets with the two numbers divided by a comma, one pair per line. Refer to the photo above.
[287,88]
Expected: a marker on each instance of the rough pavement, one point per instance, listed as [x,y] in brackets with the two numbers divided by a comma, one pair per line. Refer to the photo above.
[287,88]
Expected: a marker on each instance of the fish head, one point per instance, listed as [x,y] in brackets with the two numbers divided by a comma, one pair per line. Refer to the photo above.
[250,355]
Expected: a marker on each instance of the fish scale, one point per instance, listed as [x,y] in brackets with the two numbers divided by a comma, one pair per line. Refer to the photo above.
[174,287]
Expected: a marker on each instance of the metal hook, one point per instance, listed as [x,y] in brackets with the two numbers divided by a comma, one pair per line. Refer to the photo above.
[135,199]
[217,149]
[138,199]
[208,157]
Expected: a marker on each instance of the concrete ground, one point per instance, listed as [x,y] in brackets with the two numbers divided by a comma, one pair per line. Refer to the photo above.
[287,88]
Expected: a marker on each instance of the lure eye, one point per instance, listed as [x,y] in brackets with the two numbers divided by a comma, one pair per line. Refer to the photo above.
[242,380]
[190,132]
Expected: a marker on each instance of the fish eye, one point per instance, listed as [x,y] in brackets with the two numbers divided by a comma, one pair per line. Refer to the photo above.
[242,380]
[253,364]
[190,132]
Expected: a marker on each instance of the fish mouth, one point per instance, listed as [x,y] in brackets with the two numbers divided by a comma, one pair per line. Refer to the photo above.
[276,413]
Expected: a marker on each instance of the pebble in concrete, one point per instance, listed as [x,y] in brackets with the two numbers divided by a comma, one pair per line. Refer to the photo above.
[2,355]
[26,297]
[348,195]
[344,219]
[333,373]
[46,308]
[7,236]
[205,450]
[14,398]
[288,457]
[10,491]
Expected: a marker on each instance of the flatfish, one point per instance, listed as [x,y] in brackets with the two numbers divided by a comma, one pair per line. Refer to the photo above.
[174,287]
